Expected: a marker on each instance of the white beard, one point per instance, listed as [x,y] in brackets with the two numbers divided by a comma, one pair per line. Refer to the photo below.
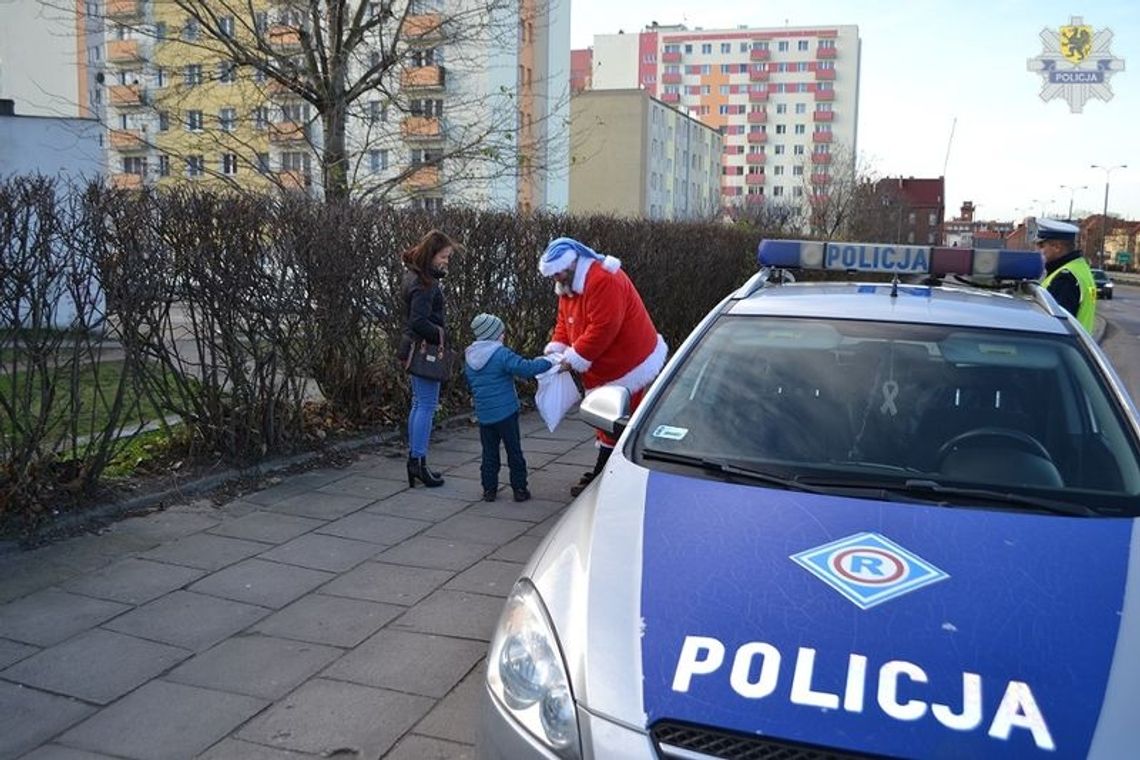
[563,289]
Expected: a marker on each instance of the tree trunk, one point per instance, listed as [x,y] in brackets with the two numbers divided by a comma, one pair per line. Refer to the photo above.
[334,156]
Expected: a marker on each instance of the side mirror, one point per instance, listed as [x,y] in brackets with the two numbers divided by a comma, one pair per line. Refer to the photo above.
[607,409]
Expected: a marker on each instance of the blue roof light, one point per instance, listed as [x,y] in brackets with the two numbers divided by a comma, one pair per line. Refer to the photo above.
[890,258]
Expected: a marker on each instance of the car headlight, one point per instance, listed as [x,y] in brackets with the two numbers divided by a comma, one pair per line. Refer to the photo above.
[526,673]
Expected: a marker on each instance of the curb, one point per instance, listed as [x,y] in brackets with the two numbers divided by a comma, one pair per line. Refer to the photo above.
[72,521]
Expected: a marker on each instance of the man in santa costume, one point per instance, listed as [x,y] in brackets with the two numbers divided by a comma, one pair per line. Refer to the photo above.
[603,329]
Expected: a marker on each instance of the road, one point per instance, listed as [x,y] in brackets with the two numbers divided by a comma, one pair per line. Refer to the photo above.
[1122,339]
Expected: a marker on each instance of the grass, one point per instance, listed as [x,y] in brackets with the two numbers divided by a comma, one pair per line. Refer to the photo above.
[96,387]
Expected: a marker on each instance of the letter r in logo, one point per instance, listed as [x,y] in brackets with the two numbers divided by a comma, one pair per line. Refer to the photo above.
[863,563]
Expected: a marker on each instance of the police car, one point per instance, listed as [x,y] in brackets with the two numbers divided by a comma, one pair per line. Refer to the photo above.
[849,520]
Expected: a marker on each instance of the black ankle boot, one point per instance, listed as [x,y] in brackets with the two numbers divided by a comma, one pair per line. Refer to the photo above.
[603,457]
[418,470]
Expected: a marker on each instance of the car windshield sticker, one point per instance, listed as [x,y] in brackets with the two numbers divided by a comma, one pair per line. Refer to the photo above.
[868,569]
[670,433]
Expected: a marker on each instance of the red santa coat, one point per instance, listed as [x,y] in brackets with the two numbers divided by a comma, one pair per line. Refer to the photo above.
[605,331]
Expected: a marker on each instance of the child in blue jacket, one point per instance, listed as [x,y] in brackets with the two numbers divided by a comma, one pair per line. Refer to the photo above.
[491,368]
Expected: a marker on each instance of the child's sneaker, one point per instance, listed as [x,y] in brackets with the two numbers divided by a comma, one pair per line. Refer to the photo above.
[490,495]
[521,494]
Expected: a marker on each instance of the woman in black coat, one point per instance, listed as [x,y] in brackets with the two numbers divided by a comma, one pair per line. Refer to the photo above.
[424,320]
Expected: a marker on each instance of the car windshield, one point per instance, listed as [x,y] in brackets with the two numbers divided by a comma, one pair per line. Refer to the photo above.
[1099,275]
[898,405]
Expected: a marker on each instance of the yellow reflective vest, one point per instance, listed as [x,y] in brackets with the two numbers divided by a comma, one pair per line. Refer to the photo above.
[1079,268]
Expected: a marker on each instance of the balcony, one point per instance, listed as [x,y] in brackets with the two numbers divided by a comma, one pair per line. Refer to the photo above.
[821,137]
[127,140]
[755,199]
[758,97]
[423,78]
[423,178]
[825,75]
[826,53]
[757,117]
[123,10]
[820,178]
[126,181]
[123,51]
[825,96]
[671,57]
[754,179]
[821,158]
[276,89]
[758,75]
[671,79]
[423,26]
[126,95]
[284,37]
[294,179]
[422,128]
[756,159]
[287,132]
[757,138]
[757,54]
[823,116]
[671,97]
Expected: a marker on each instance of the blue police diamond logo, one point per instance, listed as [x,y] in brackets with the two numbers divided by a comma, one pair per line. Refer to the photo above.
[868,569]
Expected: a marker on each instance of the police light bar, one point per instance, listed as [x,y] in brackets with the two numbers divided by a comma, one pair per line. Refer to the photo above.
[889,258]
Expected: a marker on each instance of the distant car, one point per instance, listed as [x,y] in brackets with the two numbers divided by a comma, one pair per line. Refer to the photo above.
[1103,284]
[849,520]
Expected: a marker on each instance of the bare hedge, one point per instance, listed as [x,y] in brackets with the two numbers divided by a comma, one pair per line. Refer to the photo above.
[233,314]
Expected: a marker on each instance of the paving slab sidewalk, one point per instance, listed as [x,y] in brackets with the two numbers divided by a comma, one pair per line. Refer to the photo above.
[335,613]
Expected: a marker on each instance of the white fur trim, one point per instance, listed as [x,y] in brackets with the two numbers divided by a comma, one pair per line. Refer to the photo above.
[580,270]
[560,264]
[576,361]
[554,347]
[611,264]
[643,374]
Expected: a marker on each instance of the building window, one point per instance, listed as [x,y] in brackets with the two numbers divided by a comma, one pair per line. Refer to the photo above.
[781,108]
[226,26]
[781,129]
[707,48]
[160,30]
[261,22]
[778,150]
[798,170]
[778,190]
[163,121]
[261,118]
[930,238]
[802,45]
[378,160]
[911,219]
[229,164]
[192,75]
[800,129]
[190,30]
[933,218]
[194,121]
[227,72]
[688,49]
[726,47]
[134,165]
[195,166]
[263,163]
[295,161]
[782,46]
[802,66]
[823,107]
[743,47]
[910,236]
[797,150]
[164,165]
[760,45]
[827,43]
[227,119]
[427,108]
[777,170]
[797,192]
[160,77]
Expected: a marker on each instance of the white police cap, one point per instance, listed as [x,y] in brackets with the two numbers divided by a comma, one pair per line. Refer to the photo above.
[1053,229]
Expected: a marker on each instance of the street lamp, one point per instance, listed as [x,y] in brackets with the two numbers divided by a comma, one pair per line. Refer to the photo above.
[1072,192]
[1104,216]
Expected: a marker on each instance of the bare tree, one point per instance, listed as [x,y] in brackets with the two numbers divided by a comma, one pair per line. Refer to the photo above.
[387,98]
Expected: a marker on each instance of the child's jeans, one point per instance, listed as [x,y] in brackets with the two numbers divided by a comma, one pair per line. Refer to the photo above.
[507,432]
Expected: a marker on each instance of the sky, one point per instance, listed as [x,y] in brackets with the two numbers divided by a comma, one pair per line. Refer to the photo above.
[932,65]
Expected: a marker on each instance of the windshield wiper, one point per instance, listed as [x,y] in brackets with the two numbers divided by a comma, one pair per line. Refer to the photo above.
[934,488]
[724,468]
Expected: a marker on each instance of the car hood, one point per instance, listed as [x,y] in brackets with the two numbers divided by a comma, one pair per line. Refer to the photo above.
[893,629]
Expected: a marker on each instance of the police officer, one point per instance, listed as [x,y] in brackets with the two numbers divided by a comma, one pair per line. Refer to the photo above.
[1068,276]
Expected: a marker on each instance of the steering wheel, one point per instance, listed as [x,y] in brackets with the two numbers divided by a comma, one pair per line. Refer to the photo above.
[1024,441]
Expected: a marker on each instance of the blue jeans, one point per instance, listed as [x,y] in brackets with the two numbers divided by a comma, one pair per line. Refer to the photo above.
[425,399]
[505,432]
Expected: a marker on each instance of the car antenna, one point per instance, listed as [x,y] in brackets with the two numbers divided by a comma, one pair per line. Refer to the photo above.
[895,286]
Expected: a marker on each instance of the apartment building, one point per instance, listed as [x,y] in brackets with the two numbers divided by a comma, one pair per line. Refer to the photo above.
[785,99]
[636,156]
[180,110]
[51,57]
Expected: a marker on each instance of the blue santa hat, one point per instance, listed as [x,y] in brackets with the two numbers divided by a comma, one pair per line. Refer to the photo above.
[562,254]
